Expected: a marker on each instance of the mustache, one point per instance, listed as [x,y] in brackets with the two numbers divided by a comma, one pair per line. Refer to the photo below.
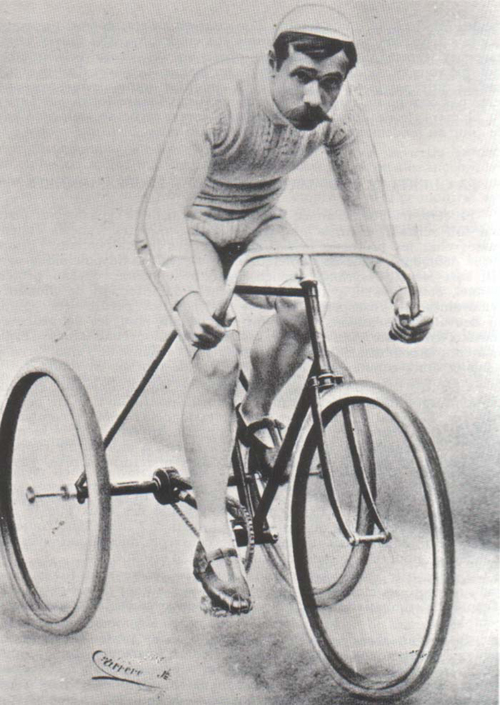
[307,114]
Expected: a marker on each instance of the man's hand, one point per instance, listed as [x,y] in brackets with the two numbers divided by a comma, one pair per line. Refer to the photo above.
[200,328]
[405,328]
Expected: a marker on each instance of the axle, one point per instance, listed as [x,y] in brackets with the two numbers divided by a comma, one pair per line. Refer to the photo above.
[167,486]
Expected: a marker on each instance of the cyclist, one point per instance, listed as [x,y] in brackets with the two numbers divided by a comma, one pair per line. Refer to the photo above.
[241,128]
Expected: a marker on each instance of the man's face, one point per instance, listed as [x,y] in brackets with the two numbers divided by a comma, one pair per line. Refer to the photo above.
[304,89]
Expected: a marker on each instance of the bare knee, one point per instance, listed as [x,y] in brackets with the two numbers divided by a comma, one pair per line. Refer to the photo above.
[292,315]
[219,366]
[292,311]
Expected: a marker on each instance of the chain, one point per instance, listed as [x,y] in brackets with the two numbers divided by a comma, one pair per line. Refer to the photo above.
[243,518]
[184,518]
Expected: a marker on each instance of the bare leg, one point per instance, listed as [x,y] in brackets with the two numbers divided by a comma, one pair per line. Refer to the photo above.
[279,349]
[208,434]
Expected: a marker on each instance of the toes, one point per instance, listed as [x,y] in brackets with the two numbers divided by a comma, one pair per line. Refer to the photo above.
[237,606]
[240,605]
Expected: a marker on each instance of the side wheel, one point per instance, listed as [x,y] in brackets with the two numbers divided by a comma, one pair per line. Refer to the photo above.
[56,548]
[383,639]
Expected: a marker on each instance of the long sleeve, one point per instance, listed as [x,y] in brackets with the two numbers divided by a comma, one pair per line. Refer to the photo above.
[179,176]
[357,172]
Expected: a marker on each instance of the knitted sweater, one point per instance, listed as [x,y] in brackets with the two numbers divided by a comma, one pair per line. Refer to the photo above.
[227,158]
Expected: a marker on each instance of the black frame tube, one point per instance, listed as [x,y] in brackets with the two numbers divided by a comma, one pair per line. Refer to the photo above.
[284,455]
[79,484]
[268,290]
[139,389]
[316,328]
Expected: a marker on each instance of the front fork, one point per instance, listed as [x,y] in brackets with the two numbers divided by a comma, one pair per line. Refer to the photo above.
[322,378]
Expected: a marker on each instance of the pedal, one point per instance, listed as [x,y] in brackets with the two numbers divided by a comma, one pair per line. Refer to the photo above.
[240,534]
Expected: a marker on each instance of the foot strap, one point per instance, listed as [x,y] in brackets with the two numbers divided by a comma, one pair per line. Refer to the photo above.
[232,595]
[246,432]
[223,554]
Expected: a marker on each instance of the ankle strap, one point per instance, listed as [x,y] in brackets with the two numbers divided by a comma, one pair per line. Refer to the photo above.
[221,553]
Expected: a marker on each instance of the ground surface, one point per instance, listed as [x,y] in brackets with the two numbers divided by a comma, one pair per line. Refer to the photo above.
[87,92]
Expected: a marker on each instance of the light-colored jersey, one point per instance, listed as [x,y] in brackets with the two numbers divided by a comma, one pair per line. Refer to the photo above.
[227,158]
[253,147]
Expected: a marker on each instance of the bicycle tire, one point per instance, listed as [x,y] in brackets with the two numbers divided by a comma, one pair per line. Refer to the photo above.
[357,638]
[73,399]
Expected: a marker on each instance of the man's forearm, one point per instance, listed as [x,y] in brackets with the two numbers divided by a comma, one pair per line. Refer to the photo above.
[373,232]
[356,168]
[170,247]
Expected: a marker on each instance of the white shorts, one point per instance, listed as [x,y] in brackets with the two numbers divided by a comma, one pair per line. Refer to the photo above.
[213,260]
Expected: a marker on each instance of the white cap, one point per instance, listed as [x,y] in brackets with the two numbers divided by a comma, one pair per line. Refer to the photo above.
[320,20]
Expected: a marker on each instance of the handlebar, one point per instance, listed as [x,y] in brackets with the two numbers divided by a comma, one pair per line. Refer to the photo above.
[305,254]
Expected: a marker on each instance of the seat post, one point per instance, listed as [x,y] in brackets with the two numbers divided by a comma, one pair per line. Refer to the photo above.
[316,329]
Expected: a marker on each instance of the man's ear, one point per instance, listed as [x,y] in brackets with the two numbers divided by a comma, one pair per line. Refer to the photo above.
[272,61]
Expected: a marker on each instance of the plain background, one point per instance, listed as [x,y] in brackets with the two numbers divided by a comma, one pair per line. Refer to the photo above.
[87,90]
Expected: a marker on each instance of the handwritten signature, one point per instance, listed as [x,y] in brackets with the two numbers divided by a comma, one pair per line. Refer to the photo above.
[151,674]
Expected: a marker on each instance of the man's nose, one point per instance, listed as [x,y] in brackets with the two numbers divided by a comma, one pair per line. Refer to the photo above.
[311,94]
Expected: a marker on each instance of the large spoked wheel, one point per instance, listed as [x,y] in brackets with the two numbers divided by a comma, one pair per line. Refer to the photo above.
[56,548]
[383,639]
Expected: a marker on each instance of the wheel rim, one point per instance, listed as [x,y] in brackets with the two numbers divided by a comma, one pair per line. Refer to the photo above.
[56,549]
[395,620]
[338,584]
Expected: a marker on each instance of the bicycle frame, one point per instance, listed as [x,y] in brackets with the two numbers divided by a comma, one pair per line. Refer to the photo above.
[320,569]
[321,374]
[321,377]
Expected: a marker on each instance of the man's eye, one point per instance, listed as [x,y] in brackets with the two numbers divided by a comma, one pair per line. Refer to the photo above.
[303,77]
[331,84]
